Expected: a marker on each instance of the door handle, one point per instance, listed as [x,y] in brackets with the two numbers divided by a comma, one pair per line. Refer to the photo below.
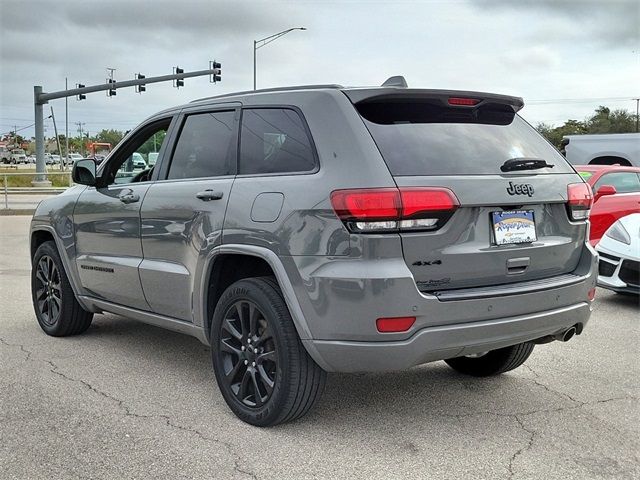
[129,198]
[207,195]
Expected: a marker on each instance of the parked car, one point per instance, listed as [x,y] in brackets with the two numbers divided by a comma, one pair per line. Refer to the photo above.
[55,159]
[5,155]
[152,158]
[605,149]
[616,194]
[31,159]
[307,230]
[619,256]
[73,157]
[18,156]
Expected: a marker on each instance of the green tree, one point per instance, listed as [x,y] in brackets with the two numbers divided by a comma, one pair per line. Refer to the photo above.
[606,121]
[109,136]
[555,134]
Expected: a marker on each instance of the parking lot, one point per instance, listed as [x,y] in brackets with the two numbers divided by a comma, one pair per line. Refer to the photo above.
[127,400]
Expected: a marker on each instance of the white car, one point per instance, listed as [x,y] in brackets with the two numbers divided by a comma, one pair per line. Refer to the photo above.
[75,156]
[619,251]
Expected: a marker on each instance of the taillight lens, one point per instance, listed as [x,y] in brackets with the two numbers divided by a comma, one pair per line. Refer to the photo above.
[463,101]
[389,209]
[580,199]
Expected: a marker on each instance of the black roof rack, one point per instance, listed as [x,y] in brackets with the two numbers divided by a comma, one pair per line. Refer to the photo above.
[268,90]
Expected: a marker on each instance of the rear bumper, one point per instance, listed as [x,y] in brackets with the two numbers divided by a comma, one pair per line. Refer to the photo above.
[339,301]
[439,343]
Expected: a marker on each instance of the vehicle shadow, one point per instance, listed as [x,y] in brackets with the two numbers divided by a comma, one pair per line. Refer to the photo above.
[350,401]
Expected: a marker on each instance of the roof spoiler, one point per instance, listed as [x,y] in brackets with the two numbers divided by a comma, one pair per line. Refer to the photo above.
[454,98]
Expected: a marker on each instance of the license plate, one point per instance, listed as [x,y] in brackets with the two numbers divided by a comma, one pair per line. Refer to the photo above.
[516,226]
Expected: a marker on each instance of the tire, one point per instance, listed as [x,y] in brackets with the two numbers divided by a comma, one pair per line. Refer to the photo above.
[494,362]
[283,370]
[57,310]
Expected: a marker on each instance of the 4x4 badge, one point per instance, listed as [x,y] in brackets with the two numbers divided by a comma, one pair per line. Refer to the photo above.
[520,189]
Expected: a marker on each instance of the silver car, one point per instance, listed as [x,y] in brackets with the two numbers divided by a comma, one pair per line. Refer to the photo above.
[305,230]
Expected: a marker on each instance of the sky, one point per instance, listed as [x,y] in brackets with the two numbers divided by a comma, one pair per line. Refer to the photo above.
[564,57]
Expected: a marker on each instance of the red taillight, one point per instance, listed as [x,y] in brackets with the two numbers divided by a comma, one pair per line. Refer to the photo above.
[394,325]
[591,294]
[579,200]
[387,209]
[367,204]
[415,201]
[467,102]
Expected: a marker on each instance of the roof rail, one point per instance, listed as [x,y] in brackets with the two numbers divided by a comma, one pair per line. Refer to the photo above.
[269,90]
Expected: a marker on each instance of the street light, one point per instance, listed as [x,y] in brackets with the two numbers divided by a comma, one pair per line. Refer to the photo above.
[264,41]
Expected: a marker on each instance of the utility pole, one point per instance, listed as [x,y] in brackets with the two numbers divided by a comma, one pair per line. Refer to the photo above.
[80,125]
[66,122]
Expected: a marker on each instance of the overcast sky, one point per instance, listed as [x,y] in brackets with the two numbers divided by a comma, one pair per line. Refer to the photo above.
[564,57]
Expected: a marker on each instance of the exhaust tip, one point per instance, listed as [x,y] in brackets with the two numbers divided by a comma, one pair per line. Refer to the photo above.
[568,334]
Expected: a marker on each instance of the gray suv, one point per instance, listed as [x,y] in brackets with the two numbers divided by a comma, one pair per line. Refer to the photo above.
[306,230]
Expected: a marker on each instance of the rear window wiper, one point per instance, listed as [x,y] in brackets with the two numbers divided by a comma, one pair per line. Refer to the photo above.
[522,163]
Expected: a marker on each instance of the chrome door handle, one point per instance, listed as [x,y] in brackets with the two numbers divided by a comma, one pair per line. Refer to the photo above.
[207,195]
[129,198]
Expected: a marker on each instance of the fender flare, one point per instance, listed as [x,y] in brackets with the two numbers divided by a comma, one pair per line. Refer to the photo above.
[66,263]
[286,287]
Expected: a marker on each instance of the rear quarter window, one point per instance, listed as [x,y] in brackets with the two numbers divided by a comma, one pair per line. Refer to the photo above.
[274,140]
[427,139]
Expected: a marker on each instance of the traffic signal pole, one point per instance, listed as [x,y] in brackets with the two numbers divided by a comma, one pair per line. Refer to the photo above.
[41,98]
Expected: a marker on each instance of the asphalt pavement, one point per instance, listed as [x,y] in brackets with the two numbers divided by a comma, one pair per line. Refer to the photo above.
[128,400]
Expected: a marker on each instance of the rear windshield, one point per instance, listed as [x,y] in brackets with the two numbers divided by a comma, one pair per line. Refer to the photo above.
[422,138]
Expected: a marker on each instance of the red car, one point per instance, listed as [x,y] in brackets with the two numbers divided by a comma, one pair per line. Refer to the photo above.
[616,193]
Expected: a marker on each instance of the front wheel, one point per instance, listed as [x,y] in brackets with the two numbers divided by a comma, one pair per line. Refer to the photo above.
[493,362]
[263,371]
[57,310]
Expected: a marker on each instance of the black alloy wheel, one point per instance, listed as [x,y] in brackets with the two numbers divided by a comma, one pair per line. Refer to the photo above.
[48,290]
[248,351]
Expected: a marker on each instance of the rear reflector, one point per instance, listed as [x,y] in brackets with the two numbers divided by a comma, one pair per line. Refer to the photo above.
[394,325]
[580,199]
[591,294]
[467,102]
[390,209]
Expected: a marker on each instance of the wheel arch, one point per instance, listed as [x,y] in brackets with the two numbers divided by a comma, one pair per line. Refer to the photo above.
[610,160]
[43,233]
[251,261]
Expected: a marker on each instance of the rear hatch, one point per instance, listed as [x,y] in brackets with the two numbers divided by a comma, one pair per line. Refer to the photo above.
[513,222]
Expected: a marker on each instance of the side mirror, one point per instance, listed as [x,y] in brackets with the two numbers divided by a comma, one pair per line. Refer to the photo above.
[605,190]
[84,172]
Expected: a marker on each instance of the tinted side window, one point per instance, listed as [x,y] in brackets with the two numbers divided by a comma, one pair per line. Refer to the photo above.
[625,182]
[204,147]
[274,140]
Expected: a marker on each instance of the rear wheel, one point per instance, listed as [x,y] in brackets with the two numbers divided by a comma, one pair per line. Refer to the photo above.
[57,310]
[263,371]
[493,362]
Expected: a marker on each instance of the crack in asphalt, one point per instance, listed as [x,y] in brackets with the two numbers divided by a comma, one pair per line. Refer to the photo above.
[128,412]
[237,458]
[21,347]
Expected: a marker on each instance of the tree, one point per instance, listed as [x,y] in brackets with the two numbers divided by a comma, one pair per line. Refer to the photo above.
[602,121]
[109,136]
[555,134]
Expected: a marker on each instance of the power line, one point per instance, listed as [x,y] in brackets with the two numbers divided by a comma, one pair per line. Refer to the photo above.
[576,100]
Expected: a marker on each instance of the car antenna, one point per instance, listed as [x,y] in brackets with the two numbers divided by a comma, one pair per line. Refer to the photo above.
[397,81]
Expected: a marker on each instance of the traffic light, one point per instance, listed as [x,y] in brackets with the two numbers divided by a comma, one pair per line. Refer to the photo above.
[112,91]
[143,87]
[80,96]
[178,82]
[216,76]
